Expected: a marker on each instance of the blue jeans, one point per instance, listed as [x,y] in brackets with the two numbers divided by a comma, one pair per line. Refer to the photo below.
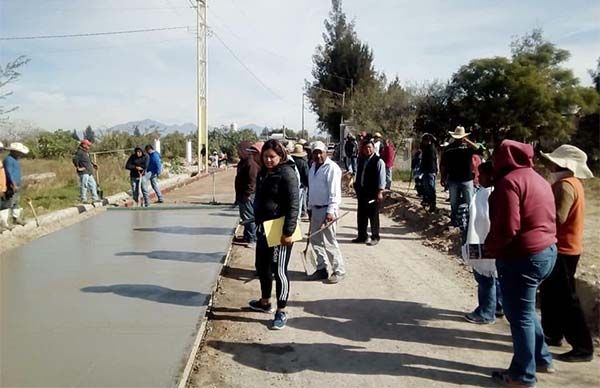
[87,181]
[460,192]
[489,297]
[303,195]
[153,179]
[247,216]
[519,279]
[135,183]
[429,189]
[351,164]
[388,178]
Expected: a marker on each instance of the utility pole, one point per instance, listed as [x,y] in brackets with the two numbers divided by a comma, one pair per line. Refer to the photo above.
[201,54]
[303,97]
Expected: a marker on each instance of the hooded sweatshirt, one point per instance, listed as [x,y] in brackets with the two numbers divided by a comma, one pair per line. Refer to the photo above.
[522,211]
[137,161]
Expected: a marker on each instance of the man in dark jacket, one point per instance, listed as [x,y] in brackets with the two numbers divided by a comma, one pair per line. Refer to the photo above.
[351,153]
[369,186]
[154,170]
[457,170]
[245,188]
[299,156]
[137,164]
[429,170]
[85,170]
[522,238]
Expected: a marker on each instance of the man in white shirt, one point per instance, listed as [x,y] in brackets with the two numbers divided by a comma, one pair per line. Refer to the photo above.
[324,199]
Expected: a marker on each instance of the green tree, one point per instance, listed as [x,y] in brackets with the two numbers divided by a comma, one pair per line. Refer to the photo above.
[433,110]
[173,145]
[75,136]
[136,131]
[339,64]
[595,74]
[89,134]
[57,144]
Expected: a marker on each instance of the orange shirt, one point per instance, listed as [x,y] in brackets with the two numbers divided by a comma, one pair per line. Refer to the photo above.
[570,208]
[2,179]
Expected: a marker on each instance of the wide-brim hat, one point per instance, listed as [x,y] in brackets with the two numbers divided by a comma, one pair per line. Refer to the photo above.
[298,151]
[18,147]
[459,133]
[571,158]
[377,134]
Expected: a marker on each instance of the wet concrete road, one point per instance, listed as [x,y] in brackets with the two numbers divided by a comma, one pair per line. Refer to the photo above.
[112,301]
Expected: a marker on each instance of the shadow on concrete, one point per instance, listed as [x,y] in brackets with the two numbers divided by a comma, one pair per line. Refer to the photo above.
[353,360]
[188,230]
[152,293]
[367,319]
[188,257]
[247,275]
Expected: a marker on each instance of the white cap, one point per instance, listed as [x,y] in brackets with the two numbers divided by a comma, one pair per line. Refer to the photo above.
[319,145]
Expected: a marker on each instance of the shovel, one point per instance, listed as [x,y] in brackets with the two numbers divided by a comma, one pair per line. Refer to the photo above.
[30,203]
[99,190]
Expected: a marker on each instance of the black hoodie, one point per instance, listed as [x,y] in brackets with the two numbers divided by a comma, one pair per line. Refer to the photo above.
[277,196]
[135,161]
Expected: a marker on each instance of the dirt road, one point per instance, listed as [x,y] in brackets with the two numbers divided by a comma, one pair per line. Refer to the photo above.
[396,321]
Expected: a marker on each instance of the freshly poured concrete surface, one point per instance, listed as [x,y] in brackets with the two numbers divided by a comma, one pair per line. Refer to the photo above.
[113,301]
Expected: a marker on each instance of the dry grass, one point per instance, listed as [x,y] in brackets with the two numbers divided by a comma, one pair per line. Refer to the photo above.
[63,191]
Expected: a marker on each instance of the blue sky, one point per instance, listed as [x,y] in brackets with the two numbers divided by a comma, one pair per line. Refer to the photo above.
[103,81]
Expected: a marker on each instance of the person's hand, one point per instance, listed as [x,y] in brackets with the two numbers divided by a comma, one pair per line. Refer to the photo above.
[286,240]
[380,196]
[329,218]
[139,168]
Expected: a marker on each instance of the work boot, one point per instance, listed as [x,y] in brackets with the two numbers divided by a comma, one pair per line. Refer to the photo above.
[17,215]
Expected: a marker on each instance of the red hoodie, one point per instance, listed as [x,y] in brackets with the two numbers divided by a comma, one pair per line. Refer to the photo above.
[522,210]
[388,155]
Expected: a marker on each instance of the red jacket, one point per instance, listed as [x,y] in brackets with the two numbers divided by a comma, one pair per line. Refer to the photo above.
[388,155]
[522,210]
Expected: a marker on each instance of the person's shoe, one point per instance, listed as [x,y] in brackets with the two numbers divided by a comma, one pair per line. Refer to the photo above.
[335,278]
[256,305]
[500,313]
[359,240]
[19,221]
[160,201]
[373,242]
[279,321]
[553,341]
[251,245]
[575,356]
[504,379]
[320,274]
[548,368]
[475,318]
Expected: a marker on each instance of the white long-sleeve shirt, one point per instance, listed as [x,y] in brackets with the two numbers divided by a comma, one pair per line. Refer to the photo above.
[325,186]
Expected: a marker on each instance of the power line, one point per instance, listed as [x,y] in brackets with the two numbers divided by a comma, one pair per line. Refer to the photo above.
[237,58]
[93,33]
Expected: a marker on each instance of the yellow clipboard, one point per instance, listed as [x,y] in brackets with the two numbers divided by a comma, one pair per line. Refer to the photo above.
[274,231]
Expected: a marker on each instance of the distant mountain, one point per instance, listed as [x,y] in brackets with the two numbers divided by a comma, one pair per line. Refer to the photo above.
[256,128]
[149,125]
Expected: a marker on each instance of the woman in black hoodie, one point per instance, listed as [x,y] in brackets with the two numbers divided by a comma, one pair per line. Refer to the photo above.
[137,164]
[276,196]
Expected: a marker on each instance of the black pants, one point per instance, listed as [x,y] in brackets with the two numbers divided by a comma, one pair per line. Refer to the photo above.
[269,262]
[562,315]
[367,212]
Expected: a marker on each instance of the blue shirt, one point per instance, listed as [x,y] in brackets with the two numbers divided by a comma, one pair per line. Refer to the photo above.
[154,164]
[13,171]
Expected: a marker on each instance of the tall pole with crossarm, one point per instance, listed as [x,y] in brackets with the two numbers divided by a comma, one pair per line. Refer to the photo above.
[201,51]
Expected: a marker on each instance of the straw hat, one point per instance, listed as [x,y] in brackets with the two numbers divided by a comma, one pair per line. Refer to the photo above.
[571,158]
[298,151]
[301,141]
[459,133]
[18,147]
[377,135]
